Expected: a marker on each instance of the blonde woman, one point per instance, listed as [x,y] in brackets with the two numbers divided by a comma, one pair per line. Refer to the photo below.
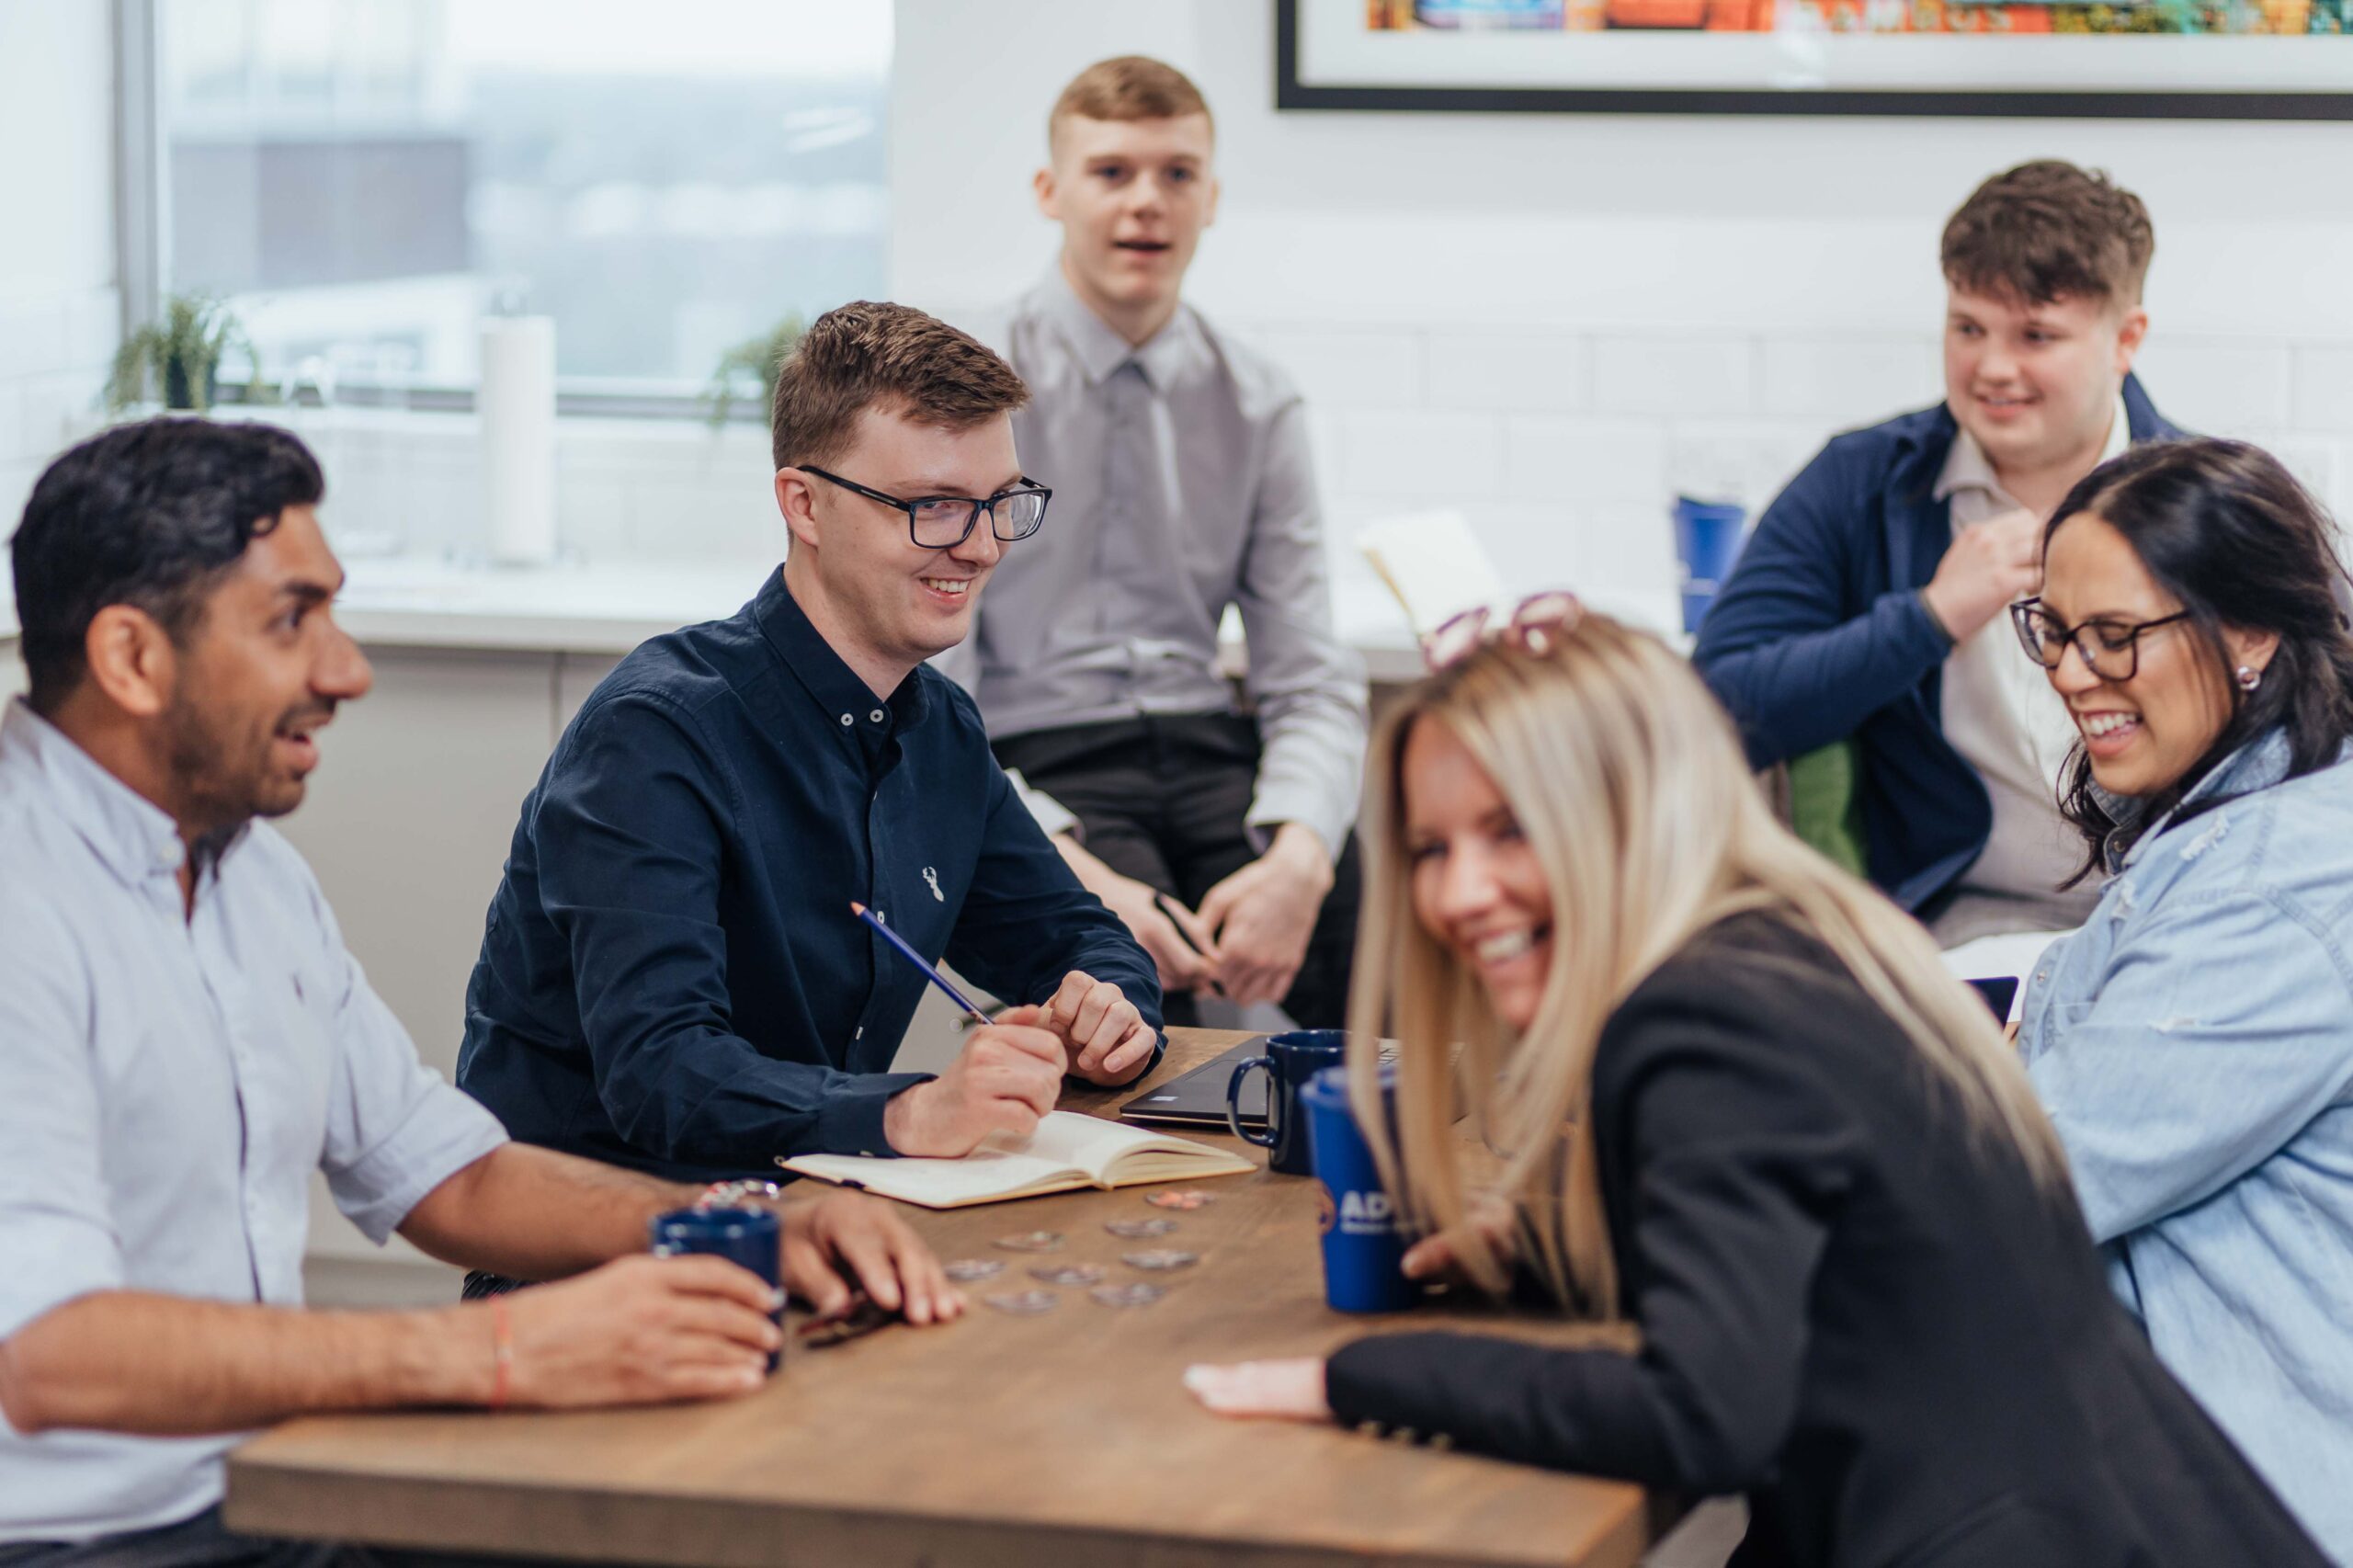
[1744,1108]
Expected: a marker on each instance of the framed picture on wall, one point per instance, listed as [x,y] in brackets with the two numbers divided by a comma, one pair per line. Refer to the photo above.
[2131,59]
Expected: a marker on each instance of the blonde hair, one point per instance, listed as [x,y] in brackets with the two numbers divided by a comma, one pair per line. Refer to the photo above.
[1130,86]
[1632,793]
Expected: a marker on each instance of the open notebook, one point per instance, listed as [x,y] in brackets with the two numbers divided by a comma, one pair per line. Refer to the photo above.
[1068,1151]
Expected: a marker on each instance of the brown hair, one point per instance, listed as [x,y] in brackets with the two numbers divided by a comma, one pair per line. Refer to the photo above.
[2049,231]
[865,354]
[1130,86]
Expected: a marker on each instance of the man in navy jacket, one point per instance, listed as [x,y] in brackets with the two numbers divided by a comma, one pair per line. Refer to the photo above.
[1870,603]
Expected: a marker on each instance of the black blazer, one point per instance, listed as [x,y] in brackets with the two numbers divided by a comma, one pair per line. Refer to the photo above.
[1854,1308]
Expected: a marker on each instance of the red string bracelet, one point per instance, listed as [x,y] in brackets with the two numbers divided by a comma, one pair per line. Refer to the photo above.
[502,1353]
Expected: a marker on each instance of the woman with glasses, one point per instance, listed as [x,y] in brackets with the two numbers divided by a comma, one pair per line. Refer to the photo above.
[1731,1100]
[2193,1043]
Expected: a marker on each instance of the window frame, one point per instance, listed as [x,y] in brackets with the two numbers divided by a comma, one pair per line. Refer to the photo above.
[143,227]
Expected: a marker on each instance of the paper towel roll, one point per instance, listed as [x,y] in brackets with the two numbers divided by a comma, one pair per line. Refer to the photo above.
[516,402]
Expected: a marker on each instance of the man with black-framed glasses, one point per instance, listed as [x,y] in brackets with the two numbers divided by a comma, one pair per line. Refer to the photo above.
[671,978]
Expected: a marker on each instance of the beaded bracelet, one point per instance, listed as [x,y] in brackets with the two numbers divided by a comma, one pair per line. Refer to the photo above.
[730,1194]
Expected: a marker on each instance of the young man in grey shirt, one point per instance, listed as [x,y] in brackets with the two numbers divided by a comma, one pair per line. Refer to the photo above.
[1181,467]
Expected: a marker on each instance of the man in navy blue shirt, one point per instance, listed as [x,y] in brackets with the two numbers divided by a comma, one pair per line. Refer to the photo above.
[1870,603]
[671,978]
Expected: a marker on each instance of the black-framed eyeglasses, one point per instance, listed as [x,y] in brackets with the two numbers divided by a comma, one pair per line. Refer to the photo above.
[943,522]
[2109,648]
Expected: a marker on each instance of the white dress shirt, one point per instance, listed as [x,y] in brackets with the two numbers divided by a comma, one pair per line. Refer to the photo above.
[1182,483]
[168,1084]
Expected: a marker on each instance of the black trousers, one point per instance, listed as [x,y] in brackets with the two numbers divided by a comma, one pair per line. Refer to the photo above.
[1162,799]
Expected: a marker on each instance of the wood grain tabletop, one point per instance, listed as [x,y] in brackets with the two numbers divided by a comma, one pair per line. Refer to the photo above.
[998,1441]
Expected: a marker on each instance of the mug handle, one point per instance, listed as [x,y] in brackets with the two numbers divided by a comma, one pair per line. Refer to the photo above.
[1234,1103]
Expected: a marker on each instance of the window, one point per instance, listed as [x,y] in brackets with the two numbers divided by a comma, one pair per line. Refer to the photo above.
[362,180]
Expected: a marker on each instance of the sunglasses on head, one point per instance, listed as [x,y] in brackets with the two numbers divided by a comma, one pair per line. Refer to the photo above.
[1534,623]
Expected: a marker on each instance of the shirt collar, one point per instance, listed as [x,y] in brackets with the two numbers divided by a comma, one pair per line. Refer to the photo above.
[2258,764]
[1968,468]
[1163,358]
[135,838]
[849,702]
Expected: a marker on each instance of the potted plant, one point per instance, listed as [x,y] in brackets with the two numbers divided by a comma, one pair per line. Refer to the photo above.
[180,356]
[754,361]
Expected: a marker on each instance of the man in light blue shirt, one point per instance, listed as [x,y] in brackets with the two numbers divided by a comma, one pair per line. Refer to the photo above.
[184,1039]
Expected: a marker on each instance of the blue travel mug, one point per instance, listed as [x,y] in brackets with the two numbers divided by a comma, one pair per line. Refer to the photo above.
[1364,1245]
[1708,536]
[1291,1058]
[746,1236]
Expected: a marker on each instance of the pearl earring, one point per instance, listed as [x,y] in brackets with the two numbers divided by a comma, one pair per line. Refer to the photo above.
[2249,677]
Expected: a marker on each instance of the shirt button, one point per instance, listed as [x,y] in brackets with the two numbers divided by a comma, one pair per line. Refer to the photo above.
[876,715]
[847,720]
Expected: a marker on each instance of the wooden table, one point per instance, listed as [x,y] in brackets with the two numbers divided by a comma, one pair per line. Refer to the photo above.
[996,1442]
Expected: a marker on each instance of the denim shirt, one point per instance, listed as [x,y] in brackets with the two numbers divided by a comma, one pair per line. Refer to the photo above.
[2193,1043]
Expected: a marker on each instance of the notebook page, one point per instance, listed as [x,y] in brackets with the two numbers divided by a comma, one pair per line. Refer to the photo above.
[984,1173]
[1090,1142]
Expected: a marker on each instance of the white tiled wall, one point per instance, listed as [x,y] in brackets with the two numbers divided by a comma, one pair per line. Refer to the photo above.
[1564,448]
[54,349]
[1556,321]
[57,301]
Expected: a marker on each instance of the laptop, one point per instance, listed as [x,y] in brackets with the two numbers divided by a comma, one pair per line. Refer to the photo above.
[1197,1098]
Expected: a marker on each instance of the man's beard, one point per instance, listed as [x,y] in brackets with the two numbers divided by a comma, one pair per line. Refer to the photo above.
[220,789]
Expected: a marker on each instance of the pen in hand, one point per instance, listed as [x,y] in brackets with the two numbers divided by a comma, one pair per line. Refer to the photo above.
[923,965]
[1168,912]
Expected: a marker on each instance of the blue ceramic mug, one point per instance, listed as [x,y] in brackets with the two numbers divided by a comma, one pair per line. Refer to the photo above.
[1290,1060]
[1364,1238]
[746,1236]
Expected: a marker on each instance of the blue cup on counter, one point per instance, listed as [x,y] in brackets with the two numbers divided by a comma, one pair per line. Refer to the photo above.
[745,1236]
[1708,537]
[1291,1058]
[1364,1237]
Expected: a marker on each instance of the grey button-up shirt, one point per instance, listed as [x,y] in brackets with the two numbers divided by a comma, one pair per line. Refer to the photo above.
[1182,485]
[168,1085]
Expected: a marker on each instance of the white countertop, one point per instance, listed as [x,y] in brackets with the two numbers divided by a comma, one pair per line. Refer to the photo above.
[418,602]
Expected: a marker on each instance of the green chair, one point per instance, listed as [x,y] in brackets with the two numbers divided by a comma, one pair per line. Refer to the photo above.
[1824,806]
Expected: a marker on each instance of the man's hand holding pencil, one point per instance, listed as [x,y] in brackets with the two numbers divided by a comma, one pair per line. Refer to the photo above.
[1007,1077]
[1010,1072]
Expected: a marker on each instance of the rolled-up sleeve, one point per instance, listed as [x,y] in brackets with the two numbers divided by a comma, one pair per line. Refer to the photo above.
[1307,686]
[395,1129]
[58,1238]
